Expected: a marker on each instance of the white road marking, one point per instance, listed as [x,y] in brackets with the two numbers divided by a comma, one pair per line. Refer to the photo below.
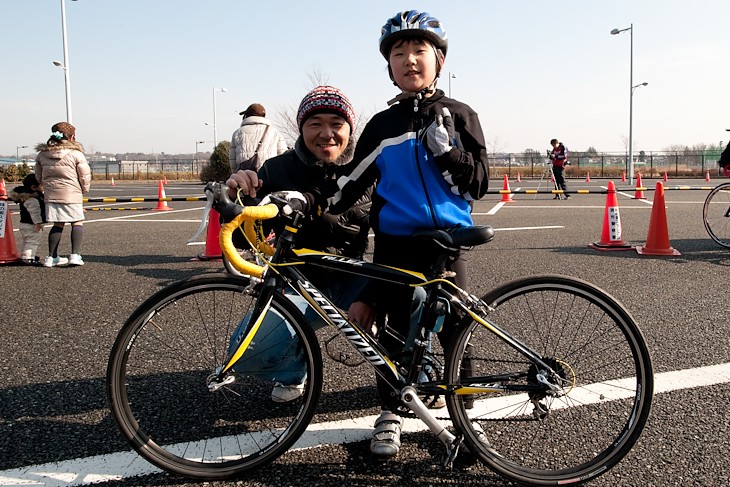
[115,466]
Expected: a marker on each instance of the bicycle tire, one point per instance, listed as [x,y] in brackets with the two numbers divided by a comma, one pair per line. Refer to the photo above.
[716,214]
[157,390]
[595,343]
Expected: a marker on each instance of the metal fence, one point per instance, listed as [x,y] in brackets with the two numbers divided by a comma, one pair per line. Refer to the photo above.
[147,170]
[603,164]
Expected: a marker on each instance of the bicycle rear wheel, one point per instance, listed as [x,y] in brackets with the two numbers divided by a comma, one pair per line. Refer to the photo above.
[603,393]
[159,368]
[716,214]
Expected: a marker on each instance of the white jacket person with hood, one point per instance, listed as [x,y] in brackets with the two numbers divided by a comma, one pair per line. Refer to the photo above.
[61,168]
[256,135]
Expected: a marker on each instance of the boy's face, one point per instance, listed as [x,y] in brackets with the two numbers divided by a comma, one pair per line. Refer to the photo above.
[413,63]
[326,135]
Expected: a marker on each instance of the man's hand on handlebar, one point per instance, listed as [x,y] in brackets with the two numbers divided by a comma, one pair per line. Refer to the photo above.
[287,201]
[247,180]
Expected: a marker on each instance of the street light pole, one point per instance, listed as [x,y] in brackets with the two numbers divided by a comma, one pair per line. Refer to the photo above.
[631,97]
[451,75]
[17,151]
[65,66]
[196,149]
[215,124]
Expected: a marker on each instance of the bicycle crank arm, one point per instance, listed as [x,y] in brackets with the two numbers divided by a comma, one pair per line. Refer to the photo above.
[410,398]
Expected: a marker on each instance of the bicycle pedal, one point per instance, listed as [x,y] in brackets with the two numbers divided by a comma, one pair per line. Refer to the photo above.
[452,450]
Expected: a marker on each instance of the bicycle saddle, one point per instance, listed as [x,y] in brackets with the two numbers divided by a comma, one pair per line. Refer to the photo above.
[458,237]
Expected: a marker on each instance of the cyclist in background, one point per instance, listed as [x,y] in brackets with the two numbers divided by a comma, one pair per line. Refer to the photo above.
[559,156]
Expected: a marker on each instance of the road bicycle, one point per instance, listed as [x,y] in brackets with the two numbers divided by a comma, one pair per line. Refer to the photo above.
[716,213]
[557,390]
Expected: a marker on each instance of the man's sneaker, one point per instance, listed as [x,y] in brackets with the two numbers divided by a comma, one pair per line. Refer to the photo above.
[439,403]
[54,261]
[75,259]
[282,393]
[481,435]
[386,435]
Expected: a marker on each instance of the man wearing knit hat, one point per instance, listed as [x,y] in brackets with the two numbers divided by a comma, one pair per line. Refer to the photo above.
[255,141]
[325,119]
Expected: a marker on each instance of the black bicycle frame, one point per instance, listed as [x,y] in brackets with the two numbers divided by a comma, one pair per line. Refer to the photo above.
[366,345]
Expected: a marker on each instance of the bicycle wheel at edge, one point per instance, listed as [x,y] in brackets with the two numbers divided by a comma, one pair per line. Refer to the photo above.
[594,343]
[716,214]
[156,381]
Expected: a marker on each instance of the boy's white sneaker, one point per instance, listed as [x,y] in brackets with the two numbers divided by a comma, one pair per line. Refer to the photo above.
[75,259]
[54,261]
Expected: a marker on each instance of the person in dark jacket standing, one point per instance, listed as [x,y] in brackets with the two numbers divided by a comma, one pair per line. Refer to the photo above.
[326,119]
[724,160]
[559,156]
[29,197]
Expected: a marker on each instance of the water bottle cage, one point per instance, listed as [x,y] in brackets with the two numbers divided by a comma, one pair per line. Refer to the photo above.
[439,310]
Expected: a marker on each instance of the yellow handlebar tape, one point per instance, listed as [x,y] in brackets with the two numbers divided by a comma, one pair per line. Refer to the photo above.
[246,218]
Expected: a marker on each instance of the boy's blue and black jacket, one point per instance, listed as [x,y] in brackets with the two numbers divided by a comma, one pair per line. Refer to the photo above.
[414,190]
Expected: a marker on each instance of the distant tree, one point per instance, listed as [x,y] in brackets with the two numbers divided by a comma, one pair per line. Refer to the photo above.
[218,168]
[495,145]
[286,118]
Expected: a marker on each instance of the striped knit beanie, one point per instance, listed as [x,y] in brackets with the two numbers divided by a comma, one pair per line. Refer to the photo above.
[325,99]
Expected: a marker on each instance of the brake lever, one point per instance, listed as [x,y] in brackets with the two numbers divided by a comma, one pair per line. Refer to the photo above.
[210,191]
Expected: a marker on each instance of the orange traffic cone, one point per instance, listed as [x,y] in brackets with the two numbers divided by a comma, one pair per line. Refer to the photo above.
[665,176]
[588,177]
[8,249]
[707,176]
[113,182]
[611,238]
[212,243]
[657,239]
[639,193]
[623,176]
[161,205]
[164,181]
[506,197]
[519,179]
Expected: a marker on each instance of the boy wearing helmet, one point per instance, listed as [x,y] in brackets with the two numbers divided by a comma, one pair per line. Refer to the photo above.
[427,156]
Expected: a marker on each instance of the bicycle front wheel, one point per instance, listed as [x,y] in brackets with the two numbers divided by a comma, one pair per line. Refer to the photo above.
[716,214]
[168,351]
[599,398]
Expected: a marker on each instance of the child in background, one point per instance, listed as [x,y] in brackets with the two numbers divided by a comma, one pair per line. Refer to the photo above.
[32,217]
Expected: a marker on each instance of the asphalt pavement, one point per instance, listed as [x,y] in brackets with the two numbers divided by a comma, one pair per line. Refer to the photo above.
[58,326]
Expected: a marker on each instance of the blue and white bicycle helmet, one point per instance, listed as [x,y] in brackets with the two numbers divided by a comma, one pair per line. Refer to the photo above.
[412,23]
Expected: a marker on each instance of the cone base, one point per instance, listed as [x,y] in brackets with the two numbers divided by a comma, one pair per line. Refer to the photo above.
[164,208]
[611,246]
[9,260]
[644,250]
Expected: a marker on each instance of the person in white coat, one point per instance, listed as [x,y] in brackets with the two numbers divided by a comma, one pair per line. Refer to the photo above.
[64,172]
[255,141]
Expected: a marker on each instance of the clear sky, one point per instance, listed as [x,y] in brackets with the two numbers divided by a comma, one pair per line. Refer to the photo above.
[143,72]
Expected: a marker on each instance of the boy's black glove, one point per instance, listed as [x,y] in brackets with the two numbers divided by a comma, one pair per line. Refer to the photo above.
[287,201]
[440,136]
